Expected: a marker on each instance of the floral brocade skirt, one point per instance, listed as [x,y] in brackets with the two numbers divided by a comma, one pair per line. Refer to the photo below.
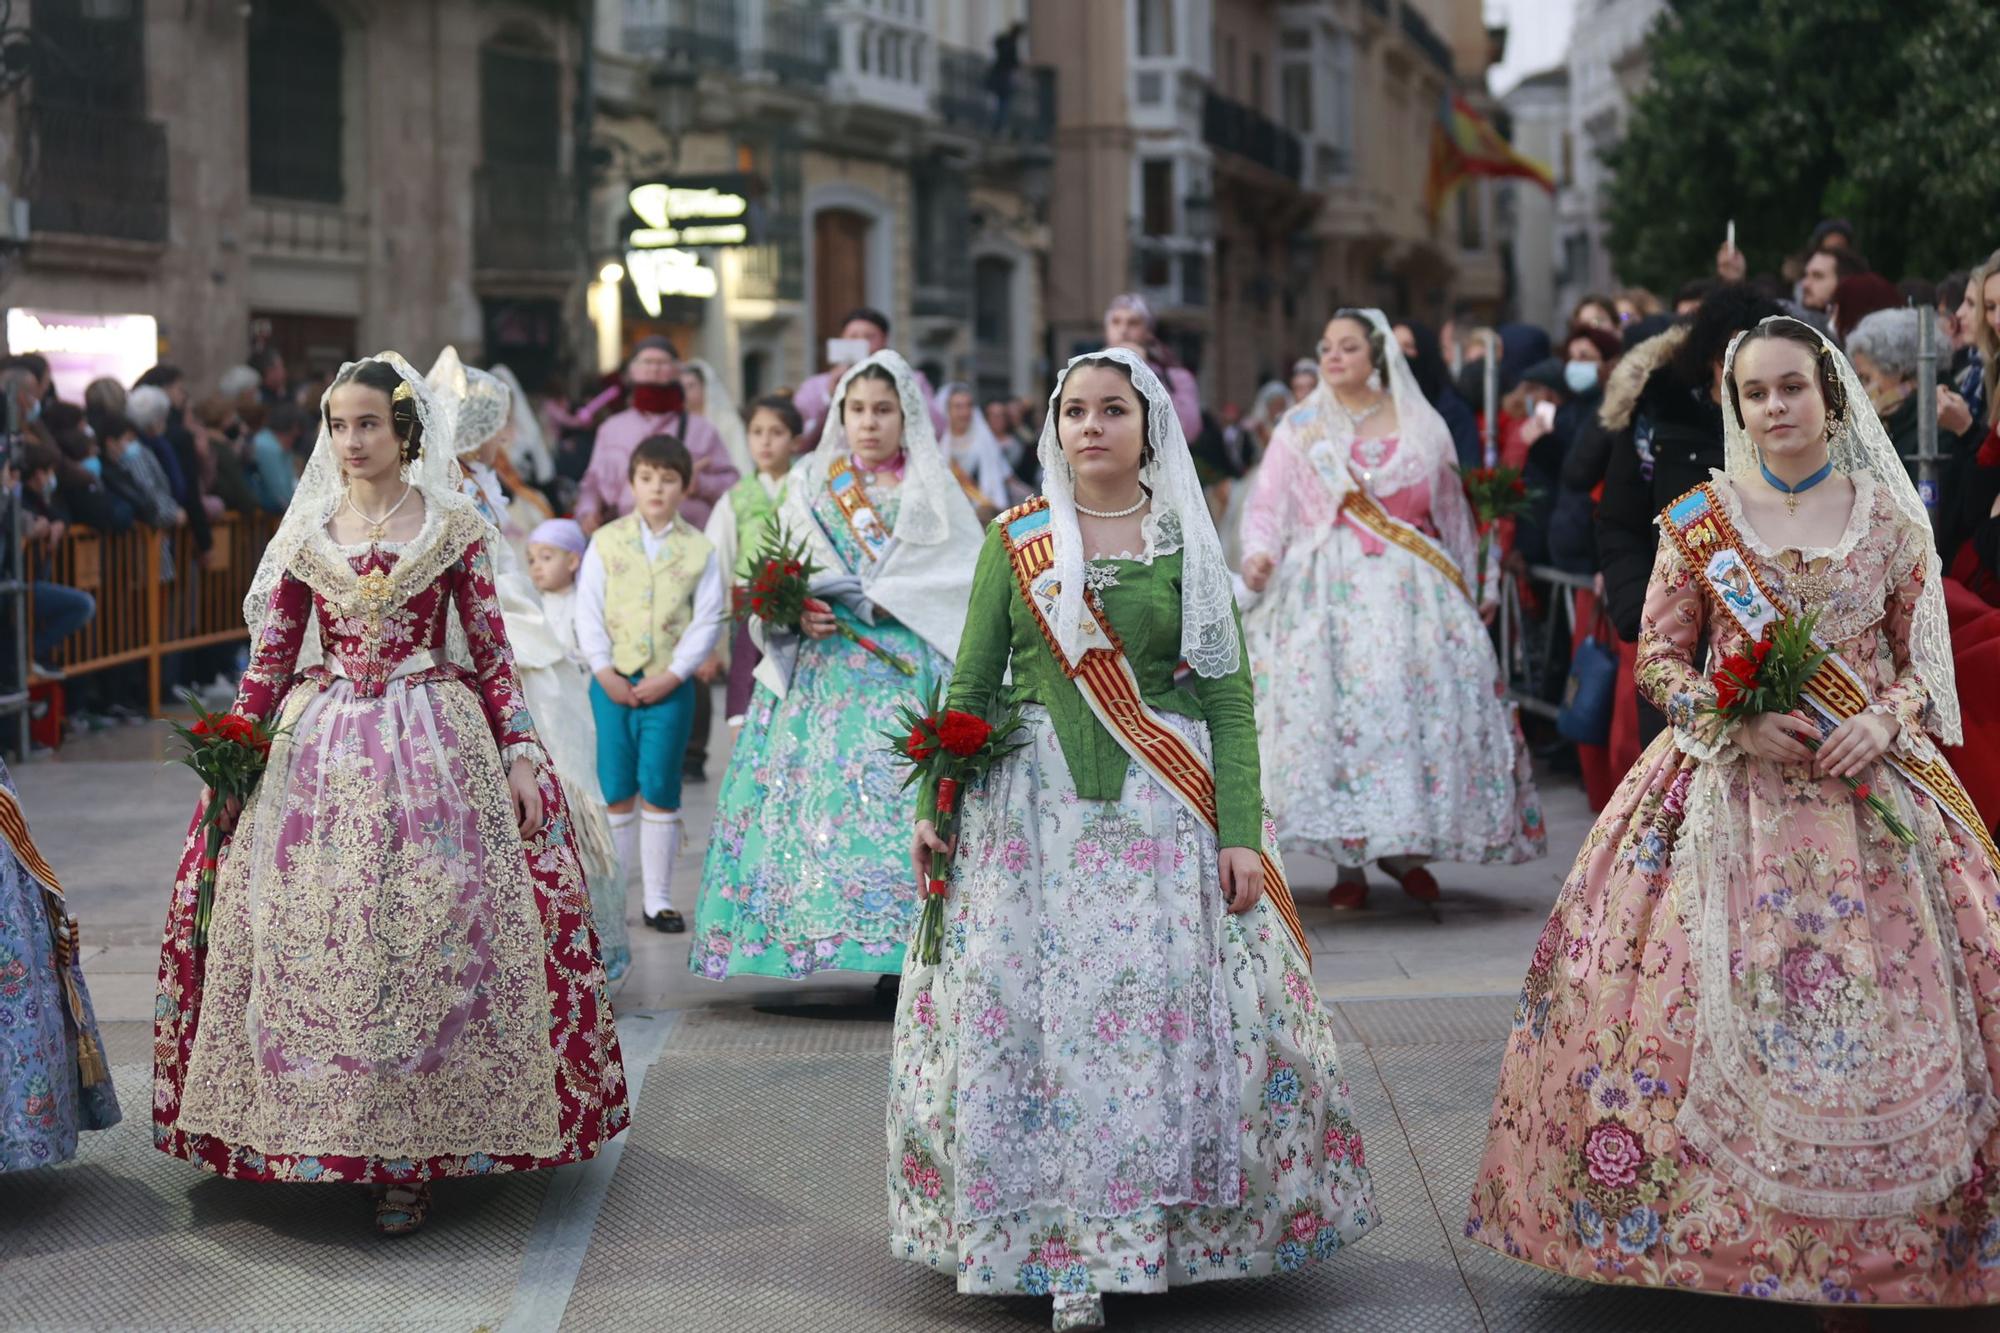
[1755,1052]
[1380,713]
[1108,1082]
[808,865]
[395,986]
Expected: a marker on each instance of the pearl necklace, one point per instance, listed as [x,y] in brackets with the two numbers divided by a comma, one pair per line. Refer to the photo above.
[376,526]
[1126,512]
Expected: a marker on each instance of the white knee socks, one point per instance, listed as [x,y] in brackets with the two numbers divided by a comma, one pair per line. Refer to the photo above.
[625,842]
[659,844]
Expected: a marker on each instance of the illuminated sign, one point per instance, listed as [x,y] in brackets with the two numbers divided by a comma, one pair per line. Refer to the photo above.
[714,211]
[658,273]
[82,348]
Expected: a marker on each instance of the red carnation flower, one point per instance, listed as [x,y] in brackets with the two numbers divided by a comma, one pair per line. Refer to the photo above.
[963,733]
[922,743]
[200,727]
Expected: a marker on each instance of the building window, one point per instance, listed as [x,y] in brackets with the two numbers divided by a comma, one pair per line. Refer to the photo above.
[1156,195]
[100,63]
[1156,28]
[296,94]
[1295,97]
[520,106]
[1257,82]
[1469,230]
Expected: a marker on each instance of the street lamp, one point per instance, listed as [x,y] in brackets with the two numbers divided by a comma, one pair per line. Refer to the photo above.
[674,86]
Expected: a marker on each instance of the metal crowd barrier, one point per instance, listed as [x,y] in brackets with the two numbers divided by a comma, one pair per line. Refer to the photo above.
[154,597]
[1519,661]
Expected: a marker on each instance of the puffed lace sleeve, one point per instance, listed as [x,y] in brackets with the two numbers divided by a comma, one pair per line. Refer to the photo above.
[494,678]
[1670,635]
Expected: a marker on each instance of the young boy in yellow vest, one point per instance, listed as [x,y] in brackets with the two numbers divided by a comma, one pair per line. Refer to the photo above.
[649,609]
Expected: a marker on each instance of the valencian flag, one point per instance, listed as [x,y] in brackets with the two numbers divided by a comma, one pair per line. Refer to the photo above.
[1464,144]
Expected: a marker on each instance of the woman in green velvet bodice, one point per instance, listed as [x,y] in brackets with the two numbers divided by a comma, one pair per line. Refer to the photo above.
[1117,1075]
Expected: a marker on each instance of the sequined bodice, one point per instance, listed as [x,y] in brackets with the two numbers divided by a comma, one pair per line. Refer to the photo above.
[382,630]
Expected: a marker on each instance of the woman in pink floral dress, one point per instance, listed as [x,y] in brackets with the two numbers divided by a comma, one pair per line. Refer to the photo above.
[401,982]
[1755,1053]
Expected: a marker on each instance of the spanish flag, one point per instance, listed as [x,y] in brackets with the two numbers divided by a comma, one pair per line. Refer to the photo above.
[1464,144]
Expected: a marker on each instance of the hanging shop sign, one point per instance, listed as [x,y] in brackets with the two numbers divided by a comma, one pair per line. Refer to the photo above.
[697,212]
[81,348]
[660,273]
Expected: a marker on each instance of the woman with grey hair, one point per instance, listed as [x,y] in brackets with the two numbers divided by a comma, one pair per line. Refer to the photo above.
[1883,348]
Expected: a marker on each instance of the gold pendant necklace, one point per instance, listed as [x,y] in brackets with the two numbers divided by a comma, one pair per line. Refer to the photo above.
[377,526]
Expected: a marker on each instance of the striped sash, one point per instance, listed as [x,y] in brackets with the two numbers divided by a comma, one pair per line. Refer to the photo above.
[851,498]
[1700,528]
[1111,689]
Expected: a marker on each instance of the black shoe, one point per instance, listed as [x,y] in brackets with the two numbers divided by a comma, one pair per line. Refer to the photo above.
[668,921]
[694,773]
[887,987]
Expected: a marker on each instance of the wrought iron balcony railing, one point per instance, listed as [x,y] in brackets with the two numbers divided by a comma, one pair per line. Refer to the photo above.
[96,173]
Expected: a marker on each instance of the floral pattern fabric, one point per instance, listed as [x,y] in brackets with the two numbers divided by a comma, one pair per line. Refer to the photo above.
[395,987]
[808,865]
[1381,715]
[1109,1083]
[1755,1050]
[43,1100]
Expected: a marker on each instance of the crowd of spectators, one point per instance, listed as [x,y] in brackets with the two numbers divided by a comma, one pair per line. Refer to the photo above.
[1624,415]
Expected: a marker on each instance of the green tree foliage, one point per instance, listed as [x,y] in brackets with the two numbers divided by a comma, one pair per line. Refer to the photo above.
[1778,115]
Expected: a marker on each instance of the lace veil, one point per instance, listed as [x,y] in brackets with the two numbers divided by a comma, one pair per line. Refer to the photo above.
[721,411]
[1424,449]
[483,400]
[1862,445]
[531,448]
[984,461]
[321,490]
[1209,641]
[929,491]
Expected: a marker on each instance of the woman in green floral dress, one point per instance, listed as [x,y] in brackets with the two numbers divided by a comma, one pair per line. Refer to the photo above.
[808,865]
[1118,1076]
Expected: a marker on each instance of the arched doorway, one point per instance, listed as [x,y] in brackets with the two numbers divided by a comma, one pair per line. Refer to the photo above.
[840,269]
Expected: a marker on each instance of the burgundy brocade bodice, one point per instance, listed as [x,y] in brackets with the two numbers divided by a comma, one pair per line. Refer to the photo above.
[378,632]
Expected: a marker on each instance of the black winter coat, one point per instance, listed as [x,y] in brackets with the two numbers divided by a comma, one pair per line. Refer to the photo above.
[1673,440]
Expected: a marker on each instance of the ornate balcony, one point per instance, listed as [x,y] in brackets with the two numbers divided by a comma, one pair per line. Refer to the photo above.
[1232,127]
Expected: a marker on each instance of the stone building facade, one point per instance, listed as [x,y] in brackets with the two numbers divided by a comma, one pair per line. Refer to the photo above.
[1250,165]
[329,176]
[881,167]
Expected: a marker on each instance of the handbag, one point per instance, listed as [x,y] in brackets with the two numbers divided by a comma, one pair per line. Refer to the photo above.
[1592,690]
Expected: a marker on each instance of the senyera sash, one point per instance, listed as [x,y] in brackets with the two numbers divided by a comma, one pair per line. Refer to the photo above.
[1360,504]
[851,498]
[1104,675]
[1700,528]
[63,931]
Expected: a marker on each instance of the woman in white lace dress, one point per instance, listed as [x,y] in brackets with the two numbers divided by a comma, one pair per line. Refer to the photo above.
[1380,714]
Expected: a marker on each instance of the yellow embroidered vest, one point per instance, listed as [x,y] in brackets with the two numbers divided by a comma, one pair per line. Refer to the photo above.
[648,604]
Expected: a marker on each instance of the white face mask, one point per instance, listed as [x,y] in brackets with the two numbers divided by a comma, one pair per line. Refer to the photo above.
[1581,376]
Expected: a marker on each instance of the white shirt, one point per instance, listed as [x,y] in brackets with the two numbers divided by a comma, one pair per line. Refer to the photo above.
[722,529]
[594,637]
[559,609]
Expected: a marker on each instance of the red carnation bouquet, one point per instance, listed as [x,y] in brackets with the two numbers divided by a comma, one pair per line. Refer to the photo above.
[228,751]
[1498,495]
[1770,676]
[781,588]
[946,749]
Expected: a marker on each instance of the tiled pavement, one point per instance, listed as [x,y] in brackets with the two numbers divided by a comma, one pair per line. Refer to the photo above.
[749,1194]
